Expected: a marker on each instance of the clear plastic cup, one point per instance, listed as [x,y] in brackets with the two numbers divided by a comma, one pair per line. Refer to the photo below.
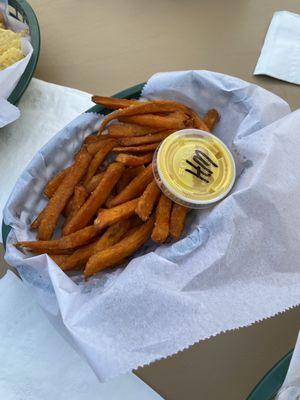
[194,168]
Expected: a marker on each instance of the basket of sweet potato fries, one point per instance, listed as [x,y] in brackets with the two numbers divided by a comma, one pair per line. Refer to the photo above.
[108,197]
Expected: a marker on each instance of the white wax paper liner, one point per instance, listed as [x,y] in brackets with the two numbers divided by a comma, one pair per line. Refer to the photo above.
[237,263]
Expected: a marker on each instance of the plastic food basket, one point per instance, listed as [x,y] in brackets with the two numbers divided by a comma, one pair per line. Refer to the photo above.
[268,387]
[21,10]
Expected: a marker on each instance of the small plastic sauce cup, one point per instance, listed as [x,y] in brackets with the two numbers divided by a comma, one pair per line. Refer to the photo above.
[194,168]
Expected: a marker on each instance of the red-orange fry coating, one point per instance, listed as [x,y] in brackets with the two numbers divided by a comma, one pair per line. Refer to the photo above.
[80,195]
[94,147]
[137,149]
[96,199]
[58,201]
[54,182]
[106,147]
[127,176]
[148,107]
[113,103]
[111,236]
[115,254]
[131,160]
[147,201]
[175,120]
[134,188]
[129,130]
[211,118]
[139,140]
[59,258]
[177,222]
[71,241]
[162,219]
[112,215]
[197,121]
[94,182]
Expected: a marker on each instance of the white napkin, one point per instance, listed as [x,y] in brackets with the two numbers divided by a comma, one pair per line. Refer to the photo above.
[280,55]
[38,364]
[290,389]
[8,112]
[45,108]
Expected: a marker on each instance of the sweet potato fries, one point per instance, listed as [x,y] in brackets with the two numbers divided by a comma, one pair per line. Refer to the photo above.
[108,196]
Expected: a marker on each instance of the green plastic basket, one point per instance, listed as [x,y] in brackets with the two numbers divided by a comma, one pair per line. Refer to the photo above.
[22,11]
[268,387]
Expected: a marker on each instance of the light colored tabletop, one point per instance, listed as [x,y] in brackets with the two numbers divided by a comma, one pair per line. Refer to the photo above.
[103,47]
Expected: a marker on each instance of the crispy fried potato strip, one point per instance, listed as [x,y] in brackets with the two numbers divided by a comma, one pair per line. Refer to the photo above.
[71,241]
[112,215]
[162,220]
[211,118]
[175,120]
[129,130]
[137,141]
[115,254]
[54,183]
[111,236]
[137,149]
[147,107]
[127,176]
[96,199]
[177,222]
[134,188]
[99,157]
[147,201]
[113,103]
[59,200]
[134,161]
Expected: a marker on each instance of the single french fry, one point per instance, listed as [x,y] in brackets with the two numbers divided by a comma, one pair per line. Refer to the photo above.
[59,259]
[139,140]
[129,130]
[35,224]
[211,118]
[94,182]
[137,149]
[174,121]
[147,107]
[91,139]
[177,221]
[112,215]
[127,177]
[42,250]
[133,161]
[96,199]
[54,183]
[111,236]
[147,201]
[59,200]
[101,144]
[80,195]
[162,219]
[134,188]
[106,147]
[114,254]
[113,103]
[197,121]
[71,241]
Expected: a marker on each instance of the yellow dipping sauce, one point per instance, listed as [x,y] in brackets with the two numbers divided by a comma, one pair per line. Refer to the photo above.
[194,168]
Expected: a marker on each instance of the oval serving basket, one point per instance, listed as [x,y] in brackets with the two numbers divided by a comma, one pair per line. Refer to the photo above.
[270,384]
[22,11]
